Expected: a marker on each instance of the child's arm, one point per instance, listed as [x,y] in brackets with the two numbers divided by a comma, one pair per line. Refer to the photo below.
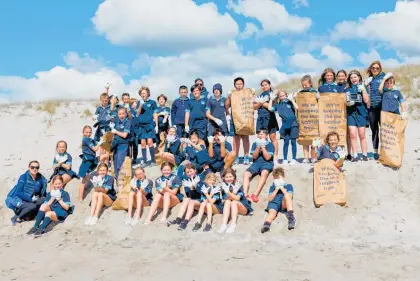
[223,151]
[365,96]
[171,191]
[211,149]
[292,100]
[187,118]
[270,106]
[234,196]
[256,152]
[156,119]
[267,156]
[124,135]
[273,195]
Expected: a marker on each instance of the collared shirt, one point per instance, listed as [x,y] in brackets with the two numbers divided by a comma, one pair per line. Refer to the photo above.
[328,88]
[161,109]
[68,161]
[103,113]
[87,145]
[146,113]
[391,101]
[173,182]
[197,109]
[260,159]
[123,126]
[217,107]
[178,111]
[285,109]
[262,111]
[354,94]
[324,152]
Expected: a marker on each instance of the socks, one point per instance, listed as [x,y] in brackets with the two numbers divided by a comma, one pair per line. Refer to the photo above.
[266,223]
[144,154]
[355,155]
[289,214]
[45,223]
[39,217]
[152,153]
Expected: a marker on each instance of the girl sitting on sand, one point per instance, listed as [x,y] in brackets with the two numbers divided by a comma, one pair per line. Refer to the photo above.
[172,151]
[330,150]
[194,150]
[168,195]
[104,193]
[220,152]
[56,207]
[141,191]
[62,163]
[234,201]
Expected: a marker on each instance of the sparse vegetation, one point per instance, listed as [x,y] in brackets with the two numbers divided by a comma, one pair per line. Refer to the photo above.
[86,113]
[49,106]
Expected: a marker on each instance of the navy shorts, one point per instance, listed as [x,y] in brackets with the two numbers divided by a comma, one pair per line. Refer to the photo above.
[146,132]
[112,197]
[291,133]
[219,207]
[70,173]
[217,166]
[60,213]
[357,120]
[267,123]
[212,128]
[180,197]
[87,167]
[275,206]
[248,206]
[257,168]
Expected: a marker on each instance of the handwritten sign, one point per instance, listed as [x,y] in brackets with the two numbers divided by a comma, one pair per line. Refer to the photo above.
[308,116]
[329,184]
[392,139]
[243,112]
[333,115]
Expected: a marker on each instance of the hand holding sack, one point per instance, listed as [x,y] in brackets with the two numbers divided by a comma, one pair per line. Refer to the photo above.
[218,122]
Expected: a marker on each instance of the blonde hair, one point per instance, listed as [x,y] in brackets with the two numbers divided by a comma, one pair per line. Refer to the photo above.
[209,177]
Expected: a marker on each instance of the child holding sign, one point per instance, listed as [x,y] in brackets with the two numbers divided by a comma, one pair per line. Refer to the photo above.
[330,150]
[326,82]
[392,98]
[279,199]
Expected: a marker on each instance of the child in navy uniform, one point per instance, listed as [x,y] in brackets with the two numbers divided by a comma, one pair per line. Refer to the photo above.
[216,111]
[168,195]
[280,199]
[307,86]
[341,79]
[289,131]
[102,117]
[131,112]
[89,159]
[162,113]
[234,201]
[173,152]
[204,94]
[104,193]
[194,146]
[56,208]
[141,191]
[330,150]
[263,152]
[178,111]
[326,82]
[195,115]
[121,130]
[146,125]
[220,152]
[267,119]
[62,163]
[357,114]
[392,98]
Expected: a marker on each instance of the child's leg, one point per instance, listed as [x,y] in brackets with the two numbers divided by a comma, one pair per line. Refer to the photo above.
[306,151]
[66,179]
[246,182]
[353,139]
[130,203]
[184,207]
[41,215]
[229,159]
[151,150]
[362,137]
[313,153]
[294,148]
[210,210]
[143,151]
[153,208]
[93,203]
[287,202]
[135,149]
[234,212]
[169,201]
[191,207]
[273,138]
[285,148]
[99,204]
[261,182]
[245,141]
[139,199]
[82,187]
[104,157]
[271,215]
[236,143]
[226,211]
[201,211]
[348,142]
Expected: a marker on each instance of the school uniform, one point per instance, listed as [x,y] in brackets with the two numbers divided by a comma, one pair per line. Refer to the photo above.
[276,203]
[120,145]
[194,193]
[240,192]
[178,115]
[329,88]
[289,127]
[217,161]
[217,195]
[266,119]
[324,152]
[20,197]
[136,183]
[341,87]
[191,155]
[204,94]
[174,149]
[391,100]
[114,112]
[59,211]
[109,186]
[88,156]
[260,163]
[216,107]
[146,124]
[375,108]
[173,182]
[198,119]
[103,119]
[310,90]
[357,114]
[61,170]
[162,127]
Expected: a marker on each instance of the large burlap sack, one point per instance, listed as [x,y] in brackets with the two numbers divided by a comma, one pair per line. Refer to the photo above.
[392,139]
[329,184]
[126,170]
[333,115]
[242,103]
[121,203]
[107,138]
[161,148]
[308,117]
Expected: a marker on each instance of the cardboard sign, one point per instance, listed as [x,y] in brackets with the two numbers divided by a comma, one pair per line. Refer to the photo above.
[392,136]
[243,112]
[308,117]
[333,115]
[329,184]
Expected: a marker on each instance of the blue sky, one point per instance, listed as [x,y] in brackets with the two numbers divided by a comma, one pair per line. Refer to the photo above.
[96,41]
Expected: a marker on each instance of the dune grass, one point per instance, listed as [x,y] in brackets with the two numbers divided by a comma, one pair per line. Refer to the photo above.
[86,113]
[49,106]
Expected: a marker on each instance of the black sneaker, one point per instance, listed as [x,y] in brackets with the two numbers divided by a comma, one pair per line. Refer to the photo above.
[349,157]
[266,227]
[183,225]
[173,222]
[39,232]
[365,158]
[291,222]
[207,228]
[354,159]
[376,156]
[31,231]
[197,226]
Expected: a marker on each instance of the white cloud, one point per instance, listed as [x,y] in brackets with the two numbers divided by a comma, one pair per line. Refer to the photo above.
[372,55]
[398,29]
[330,56]
[300,3]
[163,24]
[249,30]
[273,16]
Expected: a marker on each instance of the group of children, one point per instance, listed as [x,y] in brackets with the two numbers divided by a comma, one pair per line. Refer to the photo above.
[197,170]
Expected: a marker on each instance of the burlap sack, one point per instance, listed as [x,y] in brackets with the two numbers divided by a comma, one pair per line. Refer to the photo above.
[243,112]
[121,203]
[308,117]
[107,138]
[329,184]
[161,148]
[333,115]
[392,139]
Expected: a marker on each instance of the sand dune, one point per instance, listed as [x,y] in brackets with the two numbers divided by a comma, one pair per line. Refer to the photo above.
[374,238]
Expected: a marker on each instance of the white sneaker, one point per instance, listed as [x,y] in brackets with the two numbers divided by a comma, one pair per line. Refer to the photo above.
[222,229]
[231,228]
[128,221]
[292,162]
[305,161]
[93,221]
[147,222]
[134,222]
[88,221]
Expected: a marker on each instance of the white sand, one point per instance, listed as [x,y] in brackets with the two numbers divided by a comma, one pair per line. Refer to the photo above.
[374,238]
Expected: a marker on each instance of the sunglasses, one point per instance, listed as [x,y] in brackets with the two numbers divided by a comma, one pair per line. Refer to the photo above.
[375,67]
[34,167]
[199,84]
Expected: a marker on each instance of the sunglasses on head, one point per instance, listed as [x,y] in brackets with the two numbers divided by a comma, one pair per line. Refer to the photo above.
[34,167]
